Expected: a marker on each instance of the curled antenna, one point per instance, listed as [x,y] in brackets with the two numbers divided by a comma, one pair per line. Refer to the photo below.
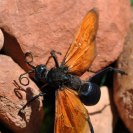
[48,60]
[22,77]
[29,59]
[53,55]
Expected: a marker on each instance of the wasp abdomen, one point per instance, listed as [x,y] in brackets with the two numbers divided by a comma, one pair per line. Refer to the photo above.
[74,82]
[89,93]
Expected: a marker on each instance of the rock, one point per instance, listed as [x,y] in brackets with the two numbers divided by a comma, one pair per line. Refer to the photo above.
[13,96]
[112,31]
[40,26]
[99,119]
[1,39]
[123,85]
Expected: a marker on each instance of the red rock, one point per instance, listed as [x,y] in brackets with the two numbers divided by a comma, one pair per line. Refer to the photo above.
[1,39]
[40,26]
[105,116]
[13,96]
[123,85]
[113,27]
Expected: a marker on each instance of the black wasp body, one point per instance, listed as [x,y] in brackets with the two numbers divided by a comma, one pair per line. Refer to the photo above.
[58,77]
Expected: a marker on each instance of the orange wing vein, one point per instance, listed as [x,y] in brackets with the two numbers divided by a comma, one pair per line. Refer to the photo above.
[82,51]
[70,116]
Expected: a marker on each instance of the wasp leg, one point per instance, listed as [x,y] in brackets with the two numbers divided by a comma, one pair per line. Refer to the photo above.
[90,125]
[91,71]
[31,100]
[55,57]
[100,74]
[99,111]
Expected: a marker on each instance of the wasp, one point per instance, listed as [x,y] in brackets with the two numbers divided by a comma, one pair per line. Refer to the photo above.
[64,79]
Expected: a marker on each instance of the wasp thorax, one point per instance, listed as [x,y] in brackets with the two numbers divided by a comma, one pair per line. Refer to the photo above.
[89,93]
[56,77]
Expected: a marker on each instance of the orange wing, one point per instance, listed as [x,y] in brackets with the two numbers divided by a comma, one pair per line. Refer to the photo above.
[70,116]
[82,51]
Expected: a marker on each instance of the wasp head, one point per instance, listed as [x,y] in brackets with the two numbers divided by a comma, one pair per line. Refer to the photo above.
[40,73]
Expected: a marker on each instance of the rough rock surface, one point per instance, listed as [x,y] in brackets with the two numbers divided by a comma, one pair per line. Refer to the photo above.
[99,119]
[123,91]
[40,26]
[13,96]
[1,39]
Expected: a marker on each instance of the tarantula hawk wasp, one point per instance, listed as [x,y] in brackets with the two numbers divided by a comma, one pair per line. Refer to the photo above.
[70,91]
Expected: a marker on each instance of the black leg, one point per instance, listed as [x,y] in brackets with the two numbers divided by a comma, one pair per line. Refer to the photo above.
[90,125]
[55,57]
[100,74]
[31,100]
[99,111]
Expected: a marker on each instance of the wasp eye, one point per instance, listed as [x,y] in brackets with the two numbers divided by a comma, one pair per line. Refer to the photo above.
[90,93]
[40,73]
